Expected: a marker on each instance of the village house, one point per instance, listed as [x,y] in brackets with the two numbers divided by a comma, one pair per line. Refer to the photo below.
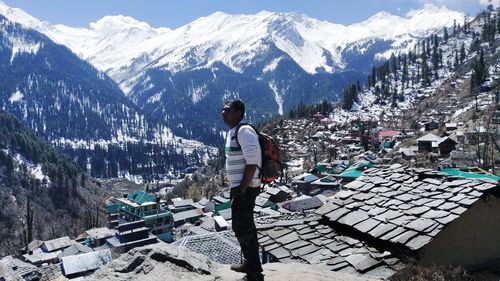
[95,237]
[181,205]
[428,143]
[143,206]
[430,125]
[48,251]
[303,182]
[130,235]
[300,238]
[451,126]
[387,138]
[278,194]
[189,216]
[79,265]
[207,205]
[446,145]
[389,216]
[432,143]
[431,217]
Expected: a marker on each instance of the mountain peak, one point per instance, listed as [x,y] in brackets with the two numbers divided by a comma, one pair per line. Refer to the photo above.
[114,24]
[18,15]
[429,9]
[382,15]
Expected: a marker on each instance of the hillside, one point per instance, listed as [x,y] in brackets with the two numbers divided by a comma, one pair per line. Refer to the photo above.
[43,194]
[81,110]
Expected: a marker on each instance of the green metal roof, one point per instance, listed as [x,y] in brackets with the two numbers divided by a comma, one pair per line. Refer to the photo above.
[113,208]
[356,171]
[220,207]
[468,175]
[141,197]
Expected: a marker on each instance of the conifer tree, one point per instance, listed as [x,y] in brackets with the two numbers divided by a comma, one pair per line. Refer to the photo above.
[426,73]
[462,53]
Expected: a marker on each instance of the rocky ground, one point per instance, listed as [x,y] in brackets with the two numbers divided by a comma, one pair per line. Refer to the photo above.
[165,262]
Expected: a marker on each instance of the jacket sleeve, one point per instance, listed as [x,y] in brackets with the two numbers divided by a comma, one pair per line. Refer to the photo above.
[249,142]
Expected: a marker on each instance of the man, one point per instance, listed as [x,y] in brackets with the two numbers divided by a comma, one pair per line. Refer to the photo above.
[243,161]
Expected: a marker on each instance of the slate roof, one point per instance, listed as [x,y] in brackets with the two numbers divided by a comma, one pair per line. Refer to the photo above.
[183,203]
[429,137]
[304,204]
[56,244]
[75,249]
[403,205]
[194,213]
[85,262]
[221,247]
[100,232]
[14,269]
[299,237]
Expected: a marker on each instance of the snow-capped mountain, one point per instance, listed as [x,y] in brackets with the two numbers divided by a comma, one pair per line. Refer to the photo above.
[271,60]
[78,108]
[115,42]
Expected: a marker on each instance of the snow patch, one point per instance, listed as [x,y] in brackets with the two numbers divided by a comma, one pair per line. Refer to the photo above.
[34,169]
[272,66]
[277,97]
[16,96]
[20,46]
[155,98]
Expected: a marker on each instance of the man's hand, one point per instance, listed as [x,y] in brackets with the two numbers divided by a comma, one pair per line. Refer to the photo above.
[238,191]
[247,177]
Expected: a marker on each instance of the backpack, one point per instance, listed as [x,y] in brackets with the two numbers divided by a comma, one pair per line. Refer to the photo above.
[271,157]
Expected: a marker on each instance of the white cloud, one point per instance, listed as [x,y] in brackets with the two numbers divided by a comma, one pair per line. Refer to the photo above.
[457,3]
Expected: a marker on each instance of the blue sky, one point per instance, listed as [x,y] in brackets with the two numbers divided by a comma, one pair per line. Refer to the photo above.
[175,13]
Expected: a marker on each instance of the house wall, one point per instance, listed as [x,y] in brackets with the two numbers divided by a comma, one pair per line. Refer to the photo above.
[470,240]
[424,146]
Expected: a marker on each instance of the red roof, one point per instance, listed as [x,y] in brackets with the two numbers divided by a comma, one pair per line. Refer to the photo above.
[384,134]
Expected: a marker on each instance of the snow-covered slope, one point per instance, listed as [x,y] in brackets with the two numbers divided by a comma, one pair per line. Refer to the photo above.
[123,46]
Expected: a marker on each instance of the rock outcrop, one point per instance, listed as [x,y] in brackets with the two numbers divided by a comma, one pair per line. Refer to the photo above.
[166,262]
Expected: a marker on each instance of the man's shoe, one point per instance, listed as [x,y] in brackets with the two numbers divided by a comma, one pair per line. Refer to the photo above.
[253,277]
[239,267]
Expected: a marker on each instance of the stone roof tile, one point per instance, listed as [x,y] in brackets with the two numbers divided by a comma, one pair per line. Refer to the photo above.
[280,252]
[468,201]
[447,219]
[367,225]
[362,262]
[418,210]
[391,234]
[287,239]
[458,210]
[434,214]
[404,237]
[382,229]
[297,244]
[337,214]
[353,218]
[420,224]
[418,242]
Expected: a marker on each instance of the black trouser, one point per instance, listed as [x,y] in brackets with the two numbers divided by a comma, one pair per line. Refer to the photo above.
[242,206]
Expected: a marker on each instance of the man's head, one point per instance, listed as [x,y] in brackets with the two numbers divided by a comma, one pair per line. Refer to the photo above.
[233,112]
